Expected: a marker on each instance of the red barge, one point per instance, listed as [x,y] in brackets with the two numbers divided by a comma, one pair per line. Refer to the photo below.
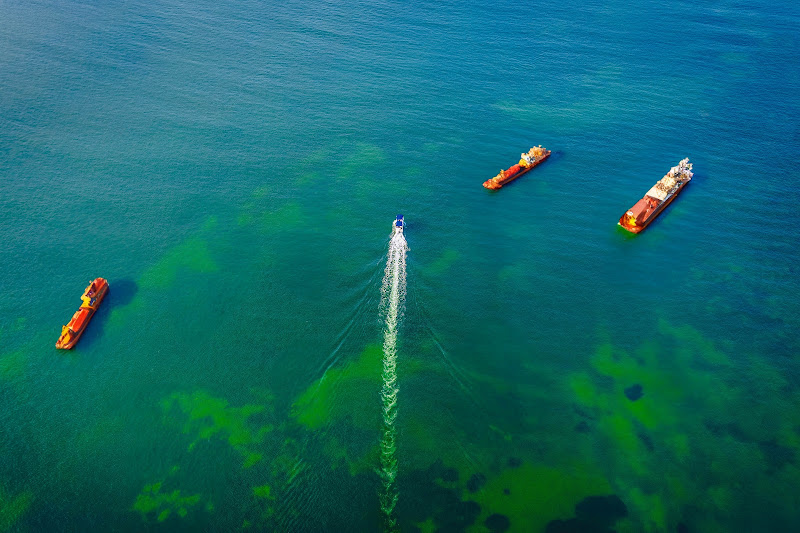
[527,161]
[90,301]
[657,198]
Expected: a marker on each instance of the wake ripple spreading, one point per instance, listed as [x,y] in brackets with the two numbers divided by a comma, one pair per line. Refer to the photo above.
[393,293]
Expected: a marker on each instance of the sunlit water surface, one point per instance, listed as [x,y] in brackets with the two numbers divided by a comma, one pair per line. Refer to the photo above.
[233,170]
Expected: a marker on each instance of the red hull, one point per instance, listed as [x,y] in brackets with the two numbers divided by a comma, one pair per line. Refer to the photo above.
[639,228]
[490,184]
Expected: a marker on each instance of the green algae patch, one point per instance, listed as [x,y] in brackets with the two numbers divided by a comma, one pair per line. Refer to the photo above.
[635,399]
[263,495]
[285,217]
[365,157]
[651,509]
[443,263]
[210,223]
[103,432]
[622,432]
[661,389]
[245,219]
[512,275]
[209,417]
[583,388]
[192,255]
[692,345]
[308,178]
[13,508]
[532,495]
[675,404]
[342,388]
[263,491]
[604,360]
[252,459]
[678,444]
[357,461]
[12,365]
[152,502]
[428,526]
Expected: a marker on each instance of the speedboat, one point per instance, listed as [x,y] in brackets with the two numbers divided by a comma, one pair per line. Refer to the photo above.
[398,225]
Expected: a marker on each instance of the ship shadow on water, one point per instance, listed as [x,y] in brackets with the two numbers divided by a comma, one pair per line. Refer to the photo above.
[120,293]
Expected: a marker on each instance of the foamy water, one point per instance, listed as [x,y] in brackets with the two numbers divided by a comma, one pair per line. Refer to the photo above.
[393,292]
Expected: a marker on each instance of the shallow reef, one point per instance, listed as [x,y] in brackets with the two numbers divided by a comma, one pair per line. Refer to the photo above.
[152,503]
[208,416]
[682,430]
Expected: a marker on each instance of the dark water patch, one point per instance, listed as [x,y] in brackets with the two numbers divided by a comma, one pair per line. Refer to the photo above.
[450,475]
[475,482]
[582,427]
[634,392]
[318,506]
[462,515]
[120,292]
[439,471]
[573,525]
[423,498]
[602,509]
[731,429]
[497,523]
[356,440]
[646,440]
[682,528]
[582,412]
[595,514]
[776,455]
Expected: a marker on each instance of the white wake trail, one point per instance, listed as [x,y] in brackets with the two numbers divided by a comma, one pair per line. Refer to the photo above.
[393,293]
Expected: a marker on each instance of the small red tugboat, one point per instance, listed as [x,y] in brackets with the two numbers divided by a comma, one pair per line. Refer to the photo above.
[657,198]
[527,161]
[90,301]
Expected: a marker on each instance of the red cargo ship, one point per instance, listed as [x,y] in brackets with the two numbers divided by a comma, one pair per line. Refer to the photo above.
[90,301]
[527,161]
[657,198]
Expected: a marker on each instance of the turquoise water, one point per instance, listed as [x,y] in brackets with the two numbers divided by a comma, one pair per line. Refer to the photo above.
[233,170]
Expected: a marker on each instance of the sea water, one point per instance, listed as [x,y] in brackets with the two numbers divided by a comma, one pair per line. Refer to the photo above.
[232,169]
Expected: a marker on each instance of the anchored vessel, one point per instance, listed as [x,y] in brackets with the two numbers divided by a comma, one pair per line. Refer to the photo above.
[527,161]
[657,198]
[398,225]
[90,301]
